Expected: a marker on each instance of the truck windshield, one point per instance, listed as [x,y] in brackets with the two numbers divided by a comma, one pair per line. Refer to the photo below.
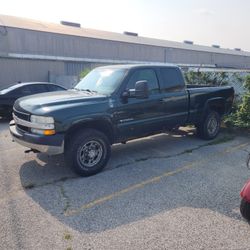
[102,81]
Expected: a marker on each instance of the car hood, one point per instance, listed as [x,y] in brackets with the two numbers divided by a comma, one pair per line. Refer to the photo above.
[47,102]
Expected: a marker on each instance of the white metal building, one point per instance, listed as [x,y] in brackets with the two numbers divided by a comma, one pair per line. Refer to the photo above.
[32,50]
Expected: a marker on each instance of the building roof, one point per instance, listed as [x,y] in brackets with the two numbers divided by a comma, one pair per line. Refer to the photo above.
[29,24]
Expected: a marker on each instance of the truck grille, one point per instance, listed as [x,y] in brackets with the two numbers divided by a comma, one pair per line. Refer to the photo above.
[22,128]
[23,116]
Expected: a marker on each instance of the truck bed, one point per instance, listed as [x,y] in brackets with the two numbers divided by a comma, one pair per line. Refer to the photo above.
[199,94]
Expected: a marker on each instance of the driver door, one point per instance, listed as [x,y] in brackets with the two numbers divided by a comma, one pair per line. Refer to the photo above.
[140,117]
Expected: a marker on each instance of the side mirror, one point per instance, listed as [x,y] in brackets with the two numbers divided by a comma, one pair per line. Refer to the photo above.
[140,91]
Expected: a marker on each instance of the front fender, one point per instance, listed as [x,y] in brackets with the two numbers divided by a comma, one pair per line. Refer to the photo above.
[103,124]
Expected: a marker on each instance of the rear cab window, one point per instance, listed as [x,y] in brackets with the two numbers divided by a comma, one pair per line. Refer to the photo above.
[171,79]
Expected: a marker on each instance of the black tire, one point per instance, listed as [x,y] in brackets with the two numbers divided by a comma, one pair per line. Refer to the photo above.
[88,152]
[209,127]
[245,209]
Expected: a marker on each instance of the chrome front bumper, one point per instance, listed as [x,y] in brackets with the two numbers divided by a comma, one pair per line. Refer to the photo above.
[34,141]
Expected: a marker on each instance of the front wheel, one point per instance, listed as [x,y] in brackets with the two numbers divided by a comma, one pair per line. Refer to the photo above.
[88,152]
[209,127]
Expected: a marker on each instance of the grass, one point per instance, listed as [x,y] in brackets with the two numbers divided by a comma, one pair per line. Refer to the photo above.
[67,236]
[65,197]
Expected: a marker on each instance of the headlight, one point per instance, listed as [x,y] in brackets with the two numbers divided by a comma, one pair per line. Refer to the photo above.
[42,122]
[42,119]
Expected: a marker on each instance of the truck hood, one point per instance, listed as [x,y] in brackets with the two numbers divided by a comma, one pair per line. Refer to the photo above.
[50,101]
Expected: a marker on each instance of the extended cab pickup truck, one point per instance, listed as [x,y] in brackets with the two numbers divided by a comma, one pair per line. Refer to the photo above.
[114,104]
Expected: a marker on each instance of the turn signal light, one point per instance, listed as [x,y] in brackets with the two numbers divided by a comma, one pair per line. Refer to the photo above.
[49,132]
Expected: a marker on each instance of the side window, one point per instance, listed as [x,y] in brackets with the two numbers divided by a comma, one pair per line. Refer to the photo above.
[144,74]
[25,90]
[172,79]
[54,87]
[38,88]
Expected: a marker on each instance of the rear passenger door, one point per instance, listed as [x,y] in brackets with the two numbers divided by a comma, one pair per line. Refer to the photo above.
[140,117]
[175,97]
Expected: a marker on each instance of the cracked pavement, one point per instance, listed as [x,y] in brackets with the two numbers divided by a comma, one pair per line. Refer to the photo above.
[170,191]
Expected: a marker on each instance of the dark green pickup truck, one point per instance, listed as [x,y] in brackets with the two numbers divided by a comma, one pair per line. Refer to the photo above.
[114,104]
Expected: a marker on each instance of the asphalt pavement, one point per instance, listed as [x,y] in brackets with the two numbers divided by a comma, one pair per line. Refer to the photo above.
[170,191]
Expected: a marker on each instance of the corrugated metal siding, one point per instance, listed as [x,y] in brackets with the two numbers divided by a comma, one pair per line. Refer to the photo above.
[35,42]
[187,56]
[36,25]
[27,70]
[74,69]
[44,43]
[231,61]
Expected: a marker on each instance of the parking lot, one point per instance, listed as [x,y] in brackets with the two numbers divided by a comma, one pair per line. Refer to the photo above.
[170,191]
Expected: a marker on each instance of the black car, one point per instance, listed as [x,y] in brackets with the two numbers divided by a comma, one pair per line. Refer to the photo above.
[10,95]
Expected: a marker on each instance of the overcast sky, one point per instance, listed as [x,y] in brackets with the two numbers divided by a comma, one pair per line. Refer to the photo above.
[206,22]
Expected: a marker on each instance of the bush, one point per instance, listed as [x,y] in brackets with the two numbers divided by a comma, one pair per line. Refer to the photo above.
[206,78]
[240,116]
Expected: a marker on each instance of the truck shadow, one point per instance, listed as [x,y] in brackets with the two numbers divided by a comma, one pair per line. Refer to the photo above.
[46,169]
[69,192]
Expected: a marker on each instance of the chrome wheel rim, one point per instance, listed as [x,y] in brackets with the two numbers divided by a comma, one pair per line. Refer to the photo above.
[90,154]
[212,125]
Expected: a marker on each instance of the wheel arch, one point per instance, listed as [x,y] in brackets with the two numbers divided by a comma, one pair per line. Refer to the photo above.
[103,125]
[217,104]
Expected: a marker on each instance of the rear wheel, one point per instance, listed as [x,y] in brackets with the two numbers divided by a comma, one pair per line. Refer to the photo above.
[209,127]
[88,152]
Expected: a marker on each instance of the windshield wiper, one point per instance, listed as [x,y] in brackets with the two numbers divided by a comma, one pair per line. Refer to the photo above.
[86,90]
[90,91]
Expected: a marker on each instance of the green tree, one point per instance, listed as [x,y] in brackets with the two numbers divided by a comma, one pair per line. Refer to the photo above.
[84,73]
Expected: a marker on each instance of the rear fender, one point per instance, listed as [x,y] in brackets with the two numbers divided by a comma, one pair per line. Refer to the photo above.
[214,104]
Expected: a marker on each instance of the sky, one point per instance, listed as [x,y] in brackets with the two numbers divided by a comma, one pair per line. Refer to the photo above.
[206,22]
